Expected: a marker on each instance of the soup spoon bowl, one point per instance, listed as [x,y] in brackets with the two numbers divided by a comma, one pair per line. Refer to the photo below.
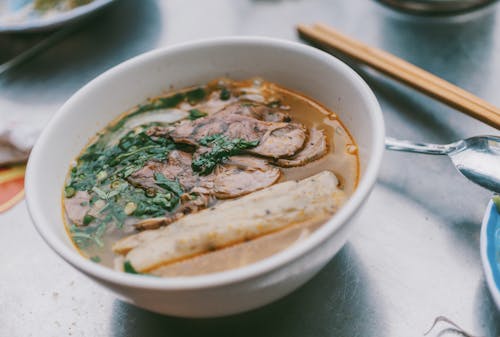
[477,158]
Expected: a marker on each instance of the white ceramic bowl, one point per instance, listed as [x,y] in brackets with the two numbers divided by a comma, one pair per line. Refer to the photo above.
[292,65]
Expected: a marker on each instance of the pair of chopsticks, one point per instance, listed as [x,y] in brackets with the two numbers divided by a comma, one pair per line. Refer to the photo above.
[327,37]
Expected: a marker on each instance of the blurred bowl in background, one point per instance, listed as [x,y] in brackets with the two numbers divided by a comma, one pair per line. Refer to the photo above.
[490,250]
[18,16]
[436,7]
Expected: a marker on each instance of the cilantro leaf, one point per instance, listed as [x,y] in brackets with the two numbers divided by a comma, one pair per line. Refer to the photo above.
[221,148]
[170,185]
[128,268]
[195,114]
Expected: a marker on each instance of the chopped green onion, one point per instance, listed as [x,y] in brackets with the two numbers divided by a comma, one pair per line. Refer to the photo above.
[150,192]
[100,193]
[225,94]
[87,219]
[69,192]
[195,114]
[128,268]
[102,175]
[130,207]
[170,185]
[221,148]
[115,184]
[274,104]
[195,95]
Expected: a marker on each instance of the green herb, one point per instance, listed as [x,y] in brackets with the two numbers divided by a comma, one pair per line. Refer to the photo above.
[102,171]
[69,192]
[193,97]
[196,95]
[87,219]
[167,102]
[128,268]
[155,206]
[221,148]
[119,161]
[89,235]
[274,104]
[195,114]
[170,185]
[496,201]
[100,193]
[225,94]
[155,104]
[95,259]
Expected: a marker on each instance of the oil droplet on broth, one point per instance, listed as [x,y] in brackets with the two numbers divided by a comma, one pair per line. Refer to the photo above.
[351,149]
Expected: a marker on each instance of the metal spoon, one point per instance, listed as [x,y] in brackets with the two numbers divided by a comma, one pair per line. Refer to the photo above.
[477,158]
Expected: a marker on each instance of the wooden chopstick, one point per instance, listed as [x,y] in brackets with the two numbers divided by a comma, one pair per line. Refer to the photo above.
[403,71]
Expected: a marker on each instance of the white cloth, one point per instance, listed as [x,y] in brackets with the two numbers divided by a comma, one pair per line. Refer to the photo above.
[16,140]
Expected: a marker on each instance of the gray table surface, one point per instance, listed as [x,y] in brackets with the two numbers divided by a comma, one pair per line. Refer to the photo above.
[415,254]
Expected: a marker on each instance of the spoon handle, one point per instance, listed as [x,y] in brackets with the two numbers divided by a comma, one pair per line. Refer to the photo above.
[408,146]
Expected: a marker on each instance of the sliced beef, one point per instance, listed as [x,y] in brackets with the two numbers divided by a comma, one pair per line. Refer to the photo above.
[241,175]
[144,178]
[154,223]
[77,207]
[281,140]
[276,139]
[315,148]
[190,203]
[238,176]
[177,166]
[257,111]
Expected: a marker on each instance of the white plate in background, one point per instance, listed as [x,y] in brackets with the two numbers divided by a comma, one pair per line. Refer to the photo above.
[19,16]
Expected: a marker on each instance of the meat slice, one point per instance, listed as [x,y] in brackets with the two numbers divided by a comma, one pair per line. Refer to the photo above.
[277,207]
[144,177]
[276,140]
[241,175]
[257,111]
[177,167]
[238,176]
[190,203]
[281,140]
[77,207]
[315,148]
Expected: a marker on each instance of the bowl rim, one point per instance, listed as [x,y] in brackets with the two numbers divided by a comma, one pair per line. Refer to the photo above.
[488,252]
[276,261]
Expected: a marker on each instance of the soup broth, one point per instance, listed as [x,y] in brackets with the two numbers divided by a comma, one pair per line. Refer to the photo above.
[156,172]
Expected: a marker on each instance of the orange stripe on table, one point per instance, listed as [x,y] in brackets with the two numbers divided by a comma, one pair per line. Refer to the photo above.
[11,186]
